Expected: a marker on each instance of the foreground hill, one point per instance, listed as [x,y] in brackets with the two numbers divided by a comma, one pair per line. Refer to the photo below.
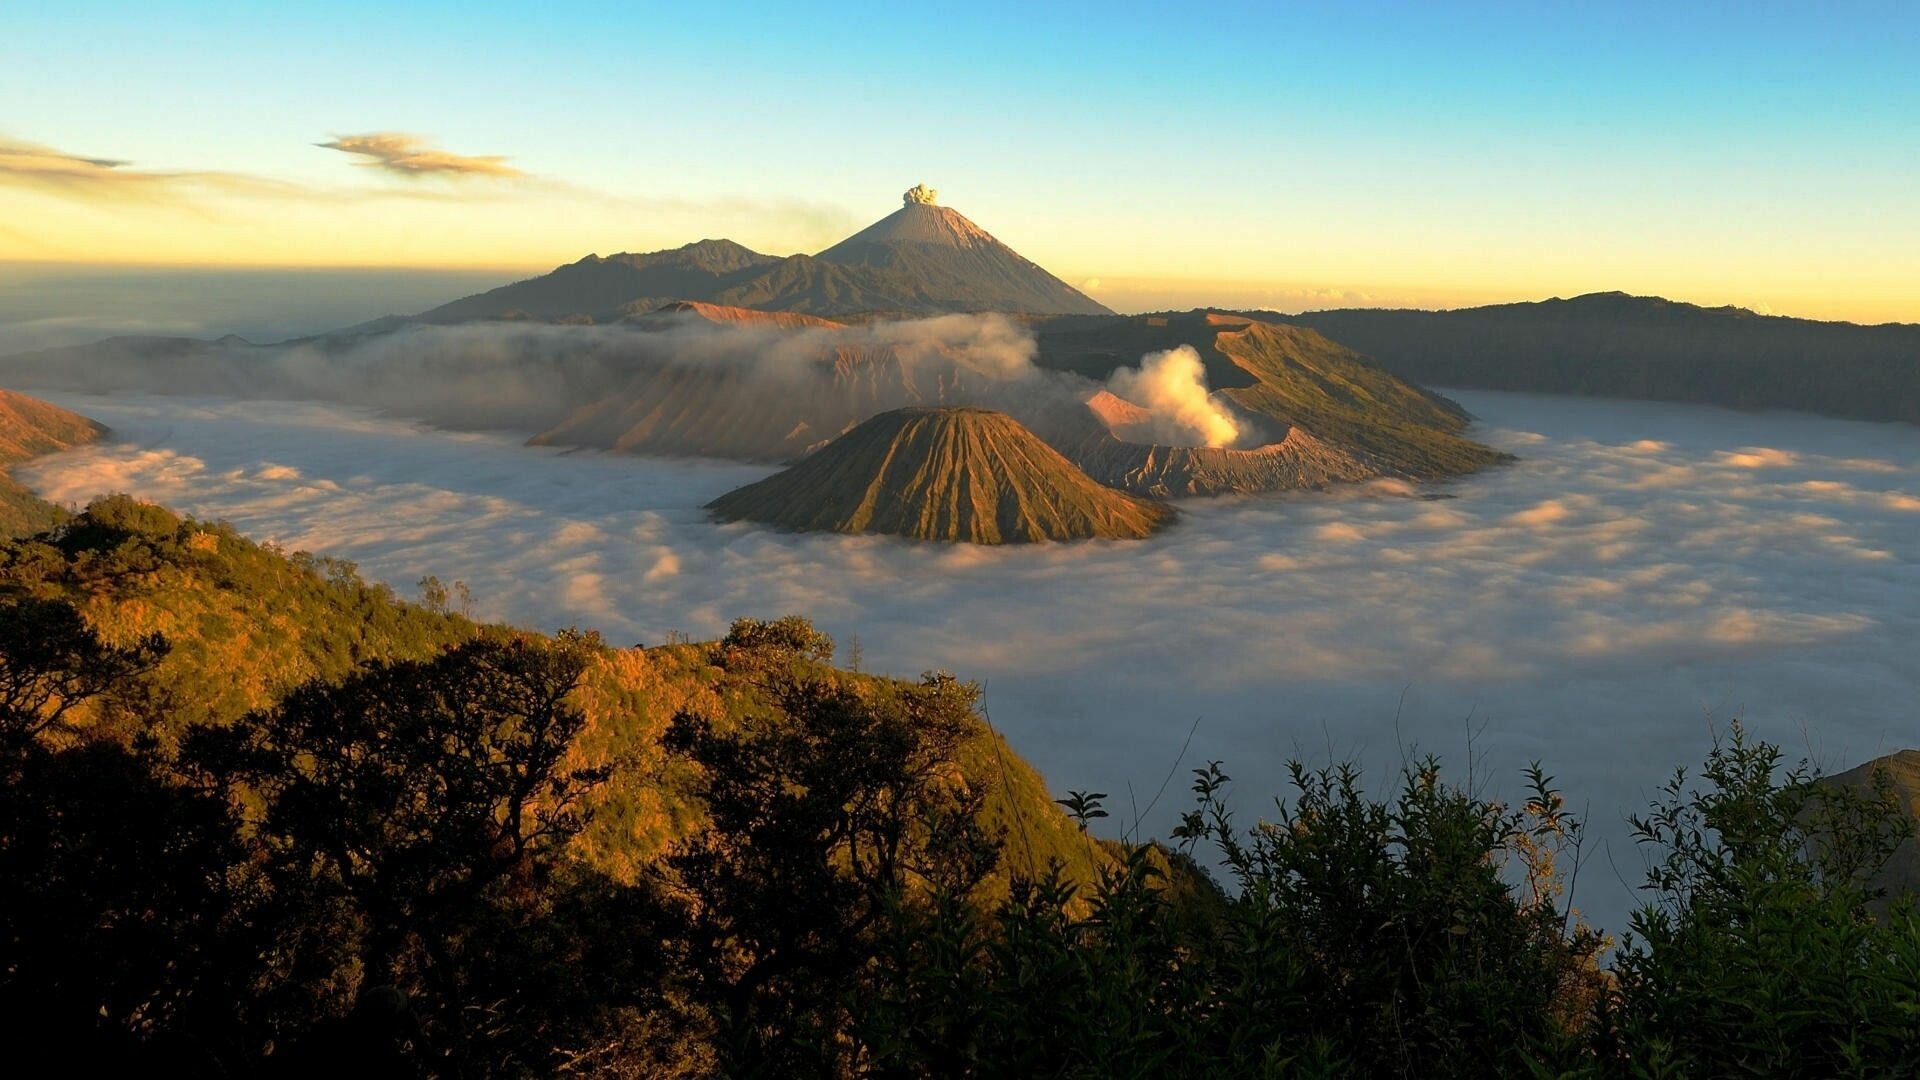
[524,855]
[1615,345]
[923,259]
[30,427]
[246,623]
[955,474]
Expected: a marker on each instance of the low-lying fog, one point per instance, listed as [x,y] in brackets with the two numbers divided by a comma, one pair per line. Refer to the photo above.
[1644,574]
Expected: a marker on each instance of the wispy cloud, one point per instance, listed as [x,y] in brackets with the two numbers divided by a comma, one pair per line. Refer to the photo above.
[45,170]
[26,164]
[413,156]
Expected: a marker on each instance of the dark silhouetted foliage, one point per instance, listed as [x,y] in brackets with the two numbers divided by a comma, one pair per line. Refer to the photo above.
[378,875]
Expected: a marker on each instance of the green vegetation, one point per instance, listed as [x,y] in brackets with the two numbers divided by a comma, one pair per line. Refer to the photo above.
[246,622]
[475,851]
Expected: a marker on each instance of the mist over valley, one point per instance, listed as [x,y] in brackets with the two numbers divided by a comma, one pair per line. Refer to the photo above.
[1641,576]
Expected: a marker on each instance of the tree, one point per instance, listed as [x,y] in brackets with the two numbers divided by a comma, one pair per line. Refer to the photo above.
[432,797]
[1761,951]
[827,813]
[433,595]
[51,662]
[123,929]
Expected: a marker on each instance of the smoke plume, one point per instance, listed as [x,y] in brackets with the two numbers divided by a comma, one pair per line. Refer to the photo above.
[1172,387]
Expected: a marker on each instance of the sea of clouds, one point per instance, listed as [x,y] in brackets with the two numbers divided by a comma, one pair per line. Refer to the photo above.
[1643,575]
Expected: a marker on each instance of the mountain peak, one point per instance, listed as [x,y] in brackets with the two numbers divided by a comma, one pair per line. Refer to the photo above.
[916,222]
[945,255]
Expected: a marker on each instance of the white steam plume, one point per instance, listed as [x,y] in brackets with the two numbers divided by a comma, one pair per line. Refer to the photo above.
[1172,387]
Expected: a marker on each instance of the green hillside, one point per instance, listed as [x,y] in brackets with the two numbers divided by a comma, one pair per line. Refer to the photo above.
[246,623]
[312,830]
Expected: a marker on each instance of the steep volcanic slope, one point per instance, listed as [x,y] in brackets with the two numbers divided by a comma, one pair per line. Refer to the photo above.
[30,427]
[956,262]
[960,474]
[1615,345]
[921,260]
[1317,413]
[758,412]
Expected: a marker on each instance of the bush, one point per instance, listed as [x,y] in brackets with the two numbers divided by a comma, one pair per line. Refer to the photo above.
[1761,952]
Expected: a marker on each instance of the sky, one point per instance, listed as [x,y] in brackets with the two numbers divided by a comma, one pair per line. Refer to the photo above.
[1272,155]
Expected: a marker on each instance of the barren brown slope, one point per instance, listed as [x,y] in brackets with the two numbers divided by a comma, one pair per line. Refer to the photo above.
[956,474]
[1297,461]
[30,427]
[726,315]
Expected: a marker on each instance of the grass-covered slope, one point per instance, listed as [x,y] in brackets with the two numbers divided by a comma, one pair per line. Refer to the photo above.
[631,695]
[245,623]
[953,474]
[30,427]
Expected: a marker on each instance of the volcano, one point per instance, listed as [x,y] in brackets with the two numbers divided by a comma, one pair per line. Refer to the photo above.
[960,264]
[922,259]
[954,474]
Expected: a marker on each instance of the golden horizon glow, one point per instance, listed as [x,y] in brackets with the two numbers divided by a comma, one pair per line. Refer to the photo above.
[432,209]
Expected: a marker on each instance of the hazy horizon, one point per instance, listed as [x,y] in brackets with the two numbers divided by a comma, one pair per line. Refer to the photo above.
[47,305]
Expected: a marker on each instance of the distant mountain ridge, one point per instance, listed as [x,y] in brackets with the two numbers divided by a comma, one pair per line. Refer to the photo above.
[923,259]
[1616,345]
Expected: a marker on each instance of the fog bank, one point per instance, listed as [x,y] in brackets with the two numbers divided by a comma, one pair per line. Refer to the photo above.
[530,377]
[1644,573]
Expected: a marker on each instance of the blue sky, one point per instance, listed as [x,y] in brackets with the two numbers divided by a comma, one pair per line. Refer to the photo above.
[1752,153]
